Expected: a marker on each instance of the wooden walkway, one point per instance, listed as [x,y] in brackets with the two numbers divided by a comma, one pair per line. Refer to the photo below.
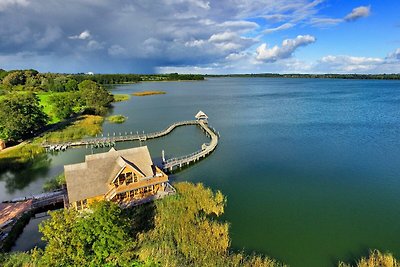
[111,140]
[167,165]
[170,164]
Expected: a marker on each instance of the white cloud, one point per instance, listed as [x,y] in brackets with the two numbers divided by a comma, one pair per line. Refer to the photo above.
[265,54]
[284,26]
[346,64]
[4,4]
[82,36]
[358,12]
[223,37]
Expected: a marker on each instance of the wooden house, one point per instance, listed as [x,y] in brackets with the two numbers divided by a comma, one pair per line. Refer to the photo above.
[123,176]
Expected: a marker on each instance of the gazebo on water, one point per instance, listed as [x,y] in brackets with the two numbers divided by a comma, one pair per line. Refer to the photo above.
[201,116]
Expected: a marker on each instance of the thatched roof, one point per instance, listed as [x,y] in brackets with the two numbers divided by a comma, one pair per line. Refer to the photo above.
[93,177]
[201,115]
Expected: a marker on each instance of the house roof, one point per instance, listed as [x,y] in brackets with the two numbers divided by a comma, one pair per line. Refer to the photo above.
[93,177]
[201,114]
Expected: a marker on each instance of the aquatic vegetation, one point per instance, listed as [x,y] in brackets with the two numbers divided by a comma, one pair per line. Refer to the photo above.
[116,119]
[147,93]
[375,259]
[121,97]
[83,126]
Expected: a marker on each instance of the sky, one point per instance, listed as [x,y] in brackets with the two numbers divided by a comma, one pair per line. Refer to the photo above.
[200,36]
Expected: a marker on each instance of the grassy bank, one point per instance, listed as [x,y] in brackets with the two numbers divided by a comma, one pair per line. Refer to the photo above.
[116,119]
[20,155]
[83,126]
[147,93]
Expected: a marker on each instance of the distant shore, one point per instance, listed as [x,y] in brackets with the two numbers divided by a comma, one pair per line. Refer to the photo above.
[392,76]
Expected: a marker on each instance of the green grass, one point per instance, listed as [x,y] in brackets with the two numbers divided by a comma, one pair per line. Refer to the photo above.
[116,119]
[121,97]
[146,93]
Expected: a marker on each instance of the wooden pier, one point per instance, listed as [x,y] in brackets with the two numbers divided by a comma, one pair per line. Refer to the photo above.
[111,140]
[170,164]
[167,165]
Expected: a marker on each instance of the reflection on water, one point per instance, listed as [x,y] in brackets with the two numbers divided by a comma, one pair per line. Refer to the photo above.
[31,237]
[310,167]
[20,178]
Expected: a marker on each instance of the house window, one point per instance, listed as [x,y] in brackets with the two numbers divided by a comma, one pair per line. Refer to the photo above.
[78,205]
[135,178]
[128,178]
[121,178]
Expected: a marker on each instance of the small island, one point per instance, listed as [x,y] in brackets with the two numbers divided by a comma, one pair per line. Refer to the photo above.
[116,119]
[121,97]
[147,93]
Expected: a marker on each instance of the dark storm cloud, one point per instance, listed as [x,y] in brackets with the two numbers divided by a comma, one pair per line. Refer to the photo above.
[134,36]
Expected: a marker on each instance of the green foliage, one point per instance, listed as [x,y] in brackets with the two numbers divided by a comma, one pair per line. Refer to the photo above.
[116,118]
[20,116]
[186,232]
[63,105]
[55,183]
[19,259]
[14,78]
[96,98]
[71,85]
[375,259]
[98,237]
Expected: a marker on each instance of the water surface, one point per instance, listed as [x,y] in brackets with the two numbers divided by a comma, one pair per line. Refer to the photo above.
[311,167]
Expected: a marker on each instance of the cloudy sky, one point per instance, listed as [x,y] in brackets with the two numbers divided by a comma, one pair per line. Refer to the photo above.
[201,36]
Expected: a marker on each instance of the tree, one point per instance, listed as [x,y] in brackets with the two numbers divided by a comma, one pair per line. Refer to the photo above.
[97,237]
[95,96]
[71,85]
[63,104]
[14,78]
[20,116]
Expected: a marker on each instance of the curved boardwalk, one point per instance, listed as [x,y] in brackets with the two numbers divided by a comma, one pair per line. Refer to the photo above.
[167,165]
[109,141]
[205,150]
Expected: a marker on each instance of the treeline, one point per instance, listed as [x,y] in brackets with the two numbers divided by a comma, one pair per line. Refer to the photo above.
[316,76]
[133,78]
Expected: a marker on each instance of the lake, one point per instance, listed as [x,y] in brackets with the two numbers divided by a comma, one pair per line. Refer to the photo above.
[310,167]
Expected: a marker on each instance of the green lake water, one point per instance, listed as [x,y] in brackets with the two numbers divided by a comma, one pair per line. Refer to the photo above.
[310,167]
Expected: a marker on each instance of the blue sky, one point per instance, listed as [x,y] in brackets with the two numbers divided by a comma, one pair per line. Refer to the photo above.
[201,36]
